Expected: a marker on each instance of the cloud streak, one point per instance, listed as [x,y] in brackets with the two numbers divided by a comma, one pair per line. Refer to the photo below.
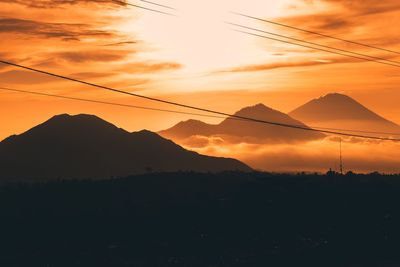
[149,67]
[367,7]
[24,77]
[60,3]
[93,56]
[65,31]
[292,64]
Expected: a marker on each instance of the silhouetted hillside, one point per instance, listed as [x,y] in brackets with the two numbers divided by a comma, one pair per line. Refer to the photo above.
[341,111]
[239,130]
[197,220]
[85,146]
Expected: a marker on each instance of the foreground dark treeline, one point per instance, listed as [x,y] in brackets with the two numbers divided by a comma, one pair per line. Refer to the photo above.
[190,219]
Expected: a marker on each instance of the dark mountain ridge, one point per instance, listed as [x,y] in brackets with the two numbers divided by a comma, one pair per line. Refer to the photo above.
[85,146]
[246,130]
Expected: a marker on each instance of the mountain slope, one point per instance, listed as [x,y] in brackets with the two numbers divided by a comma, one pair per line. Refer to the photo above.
[188,128]
[240,130]
[85,146]
[341,111]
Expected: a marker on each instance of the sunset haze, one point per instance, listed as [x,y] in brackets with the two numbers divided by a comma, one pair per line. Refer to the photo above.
[194,52]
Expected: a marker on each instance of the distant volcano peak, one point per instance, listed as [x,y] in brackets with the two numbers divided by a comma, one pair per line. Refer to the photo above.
[259,106]
[258,109]
[335,108]
[254,132]
[336,97]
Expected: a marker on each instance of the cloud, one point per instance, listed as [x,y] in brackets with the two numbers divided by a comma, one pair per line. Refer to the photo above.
[93,55]
[364,21]
[59,3]
[24,77]
[323,22]
[357,20]
[121,43]
[148,67]
[359,154]
[199,141]
[86,75]
[292,64]
[271,66]
[366,7]
[65,31]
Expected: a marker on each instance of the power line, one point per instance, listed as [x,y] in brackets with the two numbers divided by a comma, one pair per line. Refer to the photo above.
[194,107]
[270,22]
[107,103]
[279,24]
[230,116]
[145,8]
[170,111]
[315,48]
[316,33]
[157,4]
[371,58]
[341,159]
[357,55]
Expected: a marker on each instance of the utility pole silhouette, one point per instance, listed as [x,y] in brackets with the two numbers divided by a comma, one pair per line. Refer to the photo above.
[340,156]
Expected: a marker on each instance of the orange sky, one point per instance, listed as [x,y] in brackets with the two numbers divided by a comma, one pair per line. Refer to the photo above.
[194,58]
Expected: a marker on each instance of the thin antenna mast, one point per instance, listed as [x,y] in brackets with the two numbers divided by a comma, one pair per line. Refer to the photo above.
[341,160]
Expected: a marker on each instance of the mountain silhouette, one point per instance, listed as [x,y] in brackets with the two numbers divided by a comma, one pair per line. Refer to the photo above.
[240,130]
[341,111]
[85,146]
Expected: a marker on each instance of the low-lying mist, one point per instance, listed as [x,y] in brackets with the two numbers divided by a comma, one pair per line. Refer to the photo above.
[359,155]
